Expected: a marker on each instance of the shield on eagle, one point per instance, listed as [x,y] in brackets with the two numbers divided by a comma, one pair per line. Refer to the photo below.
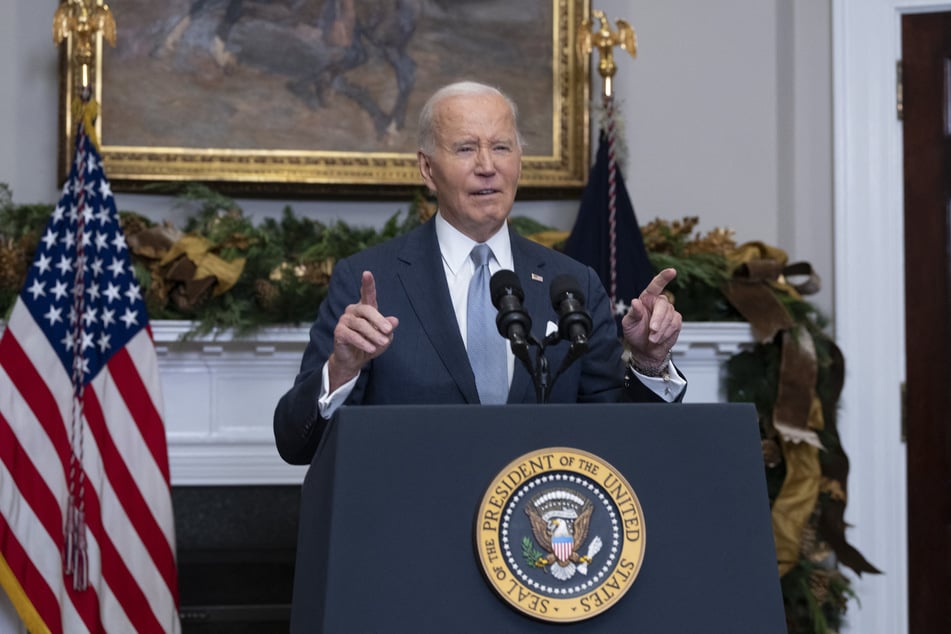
[562,545]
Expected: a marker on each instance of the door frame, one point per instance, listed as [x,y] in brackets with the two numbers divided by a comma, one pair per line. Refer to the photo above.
[869,275]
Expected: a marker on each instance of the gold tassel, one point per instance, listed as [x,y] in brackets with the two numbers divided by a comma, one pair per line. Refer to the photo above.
[87,111]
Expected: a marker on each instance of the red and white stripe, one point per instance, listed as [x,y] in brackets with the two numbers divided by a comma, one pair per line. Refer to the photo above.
[563,548]
[129,520]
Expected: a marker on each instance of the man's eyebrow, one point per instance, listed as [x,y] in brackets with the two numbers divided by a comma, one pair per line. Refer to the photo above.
[457,143]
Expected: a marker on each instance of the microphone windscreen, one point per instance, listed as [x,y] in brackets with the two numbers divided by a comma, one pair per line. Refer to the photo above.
[562,285]
[505,282]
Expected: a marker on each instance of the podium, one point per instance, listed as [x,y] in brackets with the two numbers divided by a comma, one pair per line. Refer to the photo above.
[387,535]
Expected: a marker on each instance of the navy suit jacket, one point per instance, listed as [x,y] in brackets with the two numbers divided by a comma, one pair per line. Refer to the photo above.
[427,361]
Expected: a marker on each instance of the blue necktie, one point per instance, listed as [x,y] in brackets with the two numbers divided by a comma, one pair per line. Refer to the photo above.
[485,345]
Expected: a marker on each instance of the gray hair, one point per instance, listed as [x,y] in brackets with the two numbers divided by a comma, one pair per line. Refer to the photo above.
[427,135]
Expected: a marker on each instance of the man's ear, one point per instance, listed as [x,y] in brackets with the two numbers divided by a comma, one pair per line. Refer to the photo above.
[426,170]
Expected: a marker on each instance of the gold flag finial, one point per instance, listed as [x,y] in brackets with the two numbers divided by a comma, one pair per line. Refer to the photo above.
[604,40]
[83,20]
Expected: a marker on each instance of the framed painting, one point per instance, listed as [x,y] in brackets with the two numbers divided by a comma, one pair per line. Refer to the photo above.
[302,96]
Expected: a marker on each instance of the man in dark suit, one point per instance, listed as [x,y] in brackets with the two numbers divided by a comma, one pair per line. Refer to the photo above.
[394,326]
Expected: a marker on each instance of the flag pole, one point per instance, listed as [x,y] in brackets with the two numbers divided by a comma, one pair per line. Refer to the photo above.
[603,40]
[82,23]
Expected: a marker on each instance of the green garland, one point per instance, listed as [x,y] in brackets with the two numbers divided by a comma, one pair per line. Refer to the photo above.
[815,591]
[286,268]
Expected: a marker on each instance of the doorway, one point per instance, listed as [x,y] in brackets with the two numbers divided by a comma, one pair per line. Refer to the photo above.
[926,98]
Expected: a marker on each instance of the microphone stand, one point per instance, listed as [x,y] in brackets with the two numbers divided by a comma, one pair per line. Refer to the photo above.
[515,325]
[539,369]
[541,377]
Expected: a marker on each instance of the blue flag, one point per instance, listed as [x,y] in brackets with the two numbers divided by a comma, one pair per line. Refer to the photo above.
[591,240]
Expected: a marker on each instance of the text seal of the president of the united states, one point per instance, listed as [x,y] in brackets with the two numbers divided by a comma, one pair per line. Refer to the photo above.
[560,534]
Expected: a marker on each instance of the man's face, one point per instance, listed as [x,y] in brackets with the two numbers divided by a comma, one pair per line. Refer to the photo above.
[476,164]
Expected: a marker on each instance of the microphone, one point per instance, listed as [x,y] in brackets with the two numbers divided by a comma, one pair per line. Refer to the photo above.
[515,325]
[574,322]
[512,321]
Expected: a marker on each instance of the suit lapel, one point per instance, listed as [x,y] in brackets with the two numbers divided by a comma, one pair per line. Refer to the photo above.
[424,282]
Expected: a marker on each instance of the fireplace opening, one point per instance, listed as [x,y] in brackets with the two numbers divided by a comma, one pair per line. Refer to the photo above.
[235,549]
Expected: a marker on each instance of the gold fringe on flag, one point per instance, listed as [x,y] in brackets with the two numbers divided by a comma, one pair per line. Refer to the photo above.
[87,111]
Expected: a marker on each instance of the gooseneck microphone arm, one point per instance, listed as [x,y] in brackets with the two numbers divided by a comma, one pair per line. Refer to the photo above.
[514,323]
[574,321]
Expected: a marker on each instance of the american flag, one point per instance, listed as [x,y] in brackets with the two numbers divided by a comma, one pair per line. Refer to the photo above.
[87,538]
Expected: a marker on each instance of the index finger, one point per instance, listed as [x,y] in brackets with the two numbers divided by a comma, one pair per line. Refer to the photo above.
[368,289]
[660,282]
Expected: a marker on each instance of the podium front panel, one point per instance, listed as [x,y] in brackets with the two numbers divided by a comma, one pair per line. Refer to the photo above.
[388,516]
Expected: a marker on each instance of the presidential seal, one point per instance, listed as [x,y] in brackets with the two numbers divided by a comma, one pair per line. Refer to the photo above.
[560,534]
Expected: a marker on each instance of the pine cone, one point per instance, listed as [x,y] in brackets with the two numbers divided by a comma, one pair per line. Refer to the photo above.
[808,540]
[719,241]
[265,293]
[819,586]
[772,455]
[133,223]
[156,296]
[317,272]
[811,544]
[13,265]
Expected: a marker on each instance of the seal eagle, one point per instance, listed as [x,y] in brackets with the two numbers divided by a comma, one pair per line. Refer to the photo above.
[560,522]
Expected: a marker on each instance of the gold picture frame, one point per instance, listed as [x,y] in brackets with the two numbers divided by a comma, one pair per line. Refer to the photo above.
[194,91]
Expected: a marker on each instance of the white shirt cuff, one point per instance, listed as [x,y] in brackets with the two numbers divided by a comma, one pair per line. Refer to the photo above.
[667,388]
[328,403]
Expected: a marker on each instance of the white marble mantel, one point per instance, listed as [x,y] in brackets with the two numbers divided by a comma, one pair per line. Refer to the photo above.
[220,392]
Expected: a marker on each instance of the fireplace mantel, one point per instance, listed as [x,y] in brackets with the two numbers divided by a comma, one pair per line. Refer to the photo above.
[220,391]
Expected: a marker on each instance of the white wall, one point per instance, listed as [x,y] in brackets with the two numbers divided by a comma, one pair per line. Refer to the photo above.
[701,111]
[30,99]
[805,222]
[729,118]
[8,98]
